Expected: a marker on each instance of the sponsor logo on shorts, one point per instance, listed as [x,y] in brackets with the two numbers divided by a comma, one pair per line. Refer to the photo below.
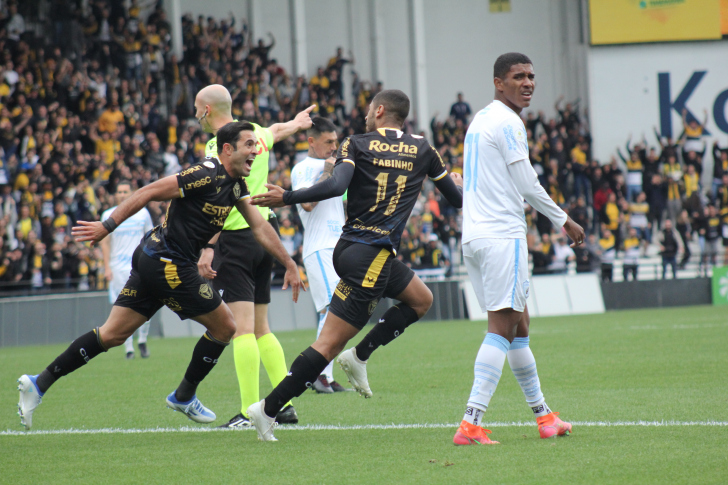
[172,304]
[526,288]
[206,291]
[221,293]
[342,290]
[372,306]
[129,292]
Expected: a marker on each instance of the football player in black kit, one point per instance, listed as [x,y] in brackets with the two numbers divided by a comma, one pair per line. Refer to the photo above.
[164,269]
[383,170]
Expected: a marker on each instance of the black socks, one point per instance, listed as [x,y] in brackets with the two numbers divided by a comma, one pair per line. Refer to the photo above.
[390,326]
[204,358]
[304,371]
[81,350]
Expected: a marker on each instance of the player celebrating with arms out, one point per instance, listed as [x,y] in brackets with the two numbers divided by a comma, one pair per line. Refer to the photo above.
[383,170]
[164,270]
[243,277]
[322,223]
[497,177]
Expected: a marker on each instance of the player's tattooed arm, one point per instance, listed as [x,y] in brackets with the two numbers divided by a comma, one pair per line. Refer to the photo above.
[204,264]
[333,187]
[267,237]
[94,231]
[327,173]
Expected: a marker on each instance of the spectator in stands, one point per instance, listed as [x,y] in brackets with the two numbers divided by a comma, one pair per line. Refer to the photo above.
[670,246]
[460,110]
[542,254]
[683,227]
[587,255]
[607,252]
[631,248]
[563,255]
[711,231]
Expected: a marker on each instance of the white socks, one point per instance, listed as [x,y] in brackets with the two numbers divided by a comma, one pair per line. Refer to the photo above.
[488,368]
[329,370]
[523,365]
[143,333]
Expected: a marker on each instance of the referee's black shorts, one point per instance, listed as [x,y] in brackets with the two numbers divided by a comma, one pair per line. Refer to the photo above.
[154,283]
[367,274]
[244,268]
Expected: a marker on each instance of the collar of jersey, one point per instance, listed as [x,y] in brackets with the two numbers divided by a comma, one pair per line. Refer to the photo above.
[383,131]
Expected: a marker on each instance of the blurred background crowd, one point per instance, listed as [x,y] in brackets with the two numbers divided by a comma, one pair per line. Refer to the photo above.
[101,98]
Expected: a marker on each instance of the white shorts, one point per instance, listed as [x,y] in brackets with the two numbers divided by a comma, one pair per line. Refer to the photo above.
[119,279]
[322,277]
[498,270]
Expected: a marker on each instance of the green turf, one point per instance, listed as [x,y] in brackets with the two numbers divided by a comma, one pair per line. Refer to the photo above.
[651,365]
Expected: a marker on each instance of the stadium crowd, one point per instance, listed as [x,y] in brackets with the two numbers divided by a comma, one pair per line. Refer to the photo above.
[102,98]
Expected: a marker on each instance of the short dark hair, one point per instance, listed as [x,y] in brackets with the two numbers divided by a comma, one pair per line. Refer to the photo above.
[231,132]
[396,104]
[320,125]
[505,61]
[123,182]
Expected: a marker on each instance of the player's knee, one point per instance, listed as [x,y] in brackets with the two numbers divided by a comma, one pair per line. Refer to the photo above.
[227,328]
[423,303]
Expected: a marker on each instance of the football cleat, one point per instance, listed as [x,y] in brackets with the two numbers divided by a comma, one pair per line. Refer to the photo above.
[238,422]
[550,426]
[30,397]
[338,387]
[356,371]
[264,424]
[322,386]
[470,434]
[129,355]
[143,350]
[287,415]
[193,409]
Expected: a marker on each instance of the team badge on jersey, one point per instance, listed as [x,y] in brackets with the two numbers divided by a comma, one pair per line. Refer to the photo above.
[236,190]
[208,164]
[206,291]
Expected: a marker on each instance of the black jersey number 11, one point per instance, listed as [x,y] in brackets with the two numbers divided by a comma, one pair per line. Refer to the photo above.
[382,192]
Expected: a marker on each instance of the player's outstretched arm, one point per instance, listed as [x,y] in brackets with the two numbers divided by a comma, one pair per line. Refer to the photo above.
[327,173]
[163,189]
[333,187]
[452,188]
[267,237]
[302,121]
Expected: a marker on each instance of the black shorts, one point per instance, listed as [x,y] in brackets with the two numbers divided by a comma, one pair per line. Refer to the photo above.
[154,283]
[243,267]
[367,274]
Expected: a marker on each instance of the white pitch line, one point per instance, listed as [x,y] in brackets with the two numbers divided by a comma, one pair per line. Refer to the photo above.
[325,427]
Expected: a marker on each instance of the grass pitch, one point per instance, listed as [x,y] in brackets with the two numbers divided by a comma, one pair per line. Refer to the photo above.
[645,390]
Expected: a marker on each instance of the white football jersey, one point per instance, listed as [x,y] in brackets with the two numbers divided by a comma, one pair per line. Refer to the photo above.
[492,206]
[126,237]
[322,226]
